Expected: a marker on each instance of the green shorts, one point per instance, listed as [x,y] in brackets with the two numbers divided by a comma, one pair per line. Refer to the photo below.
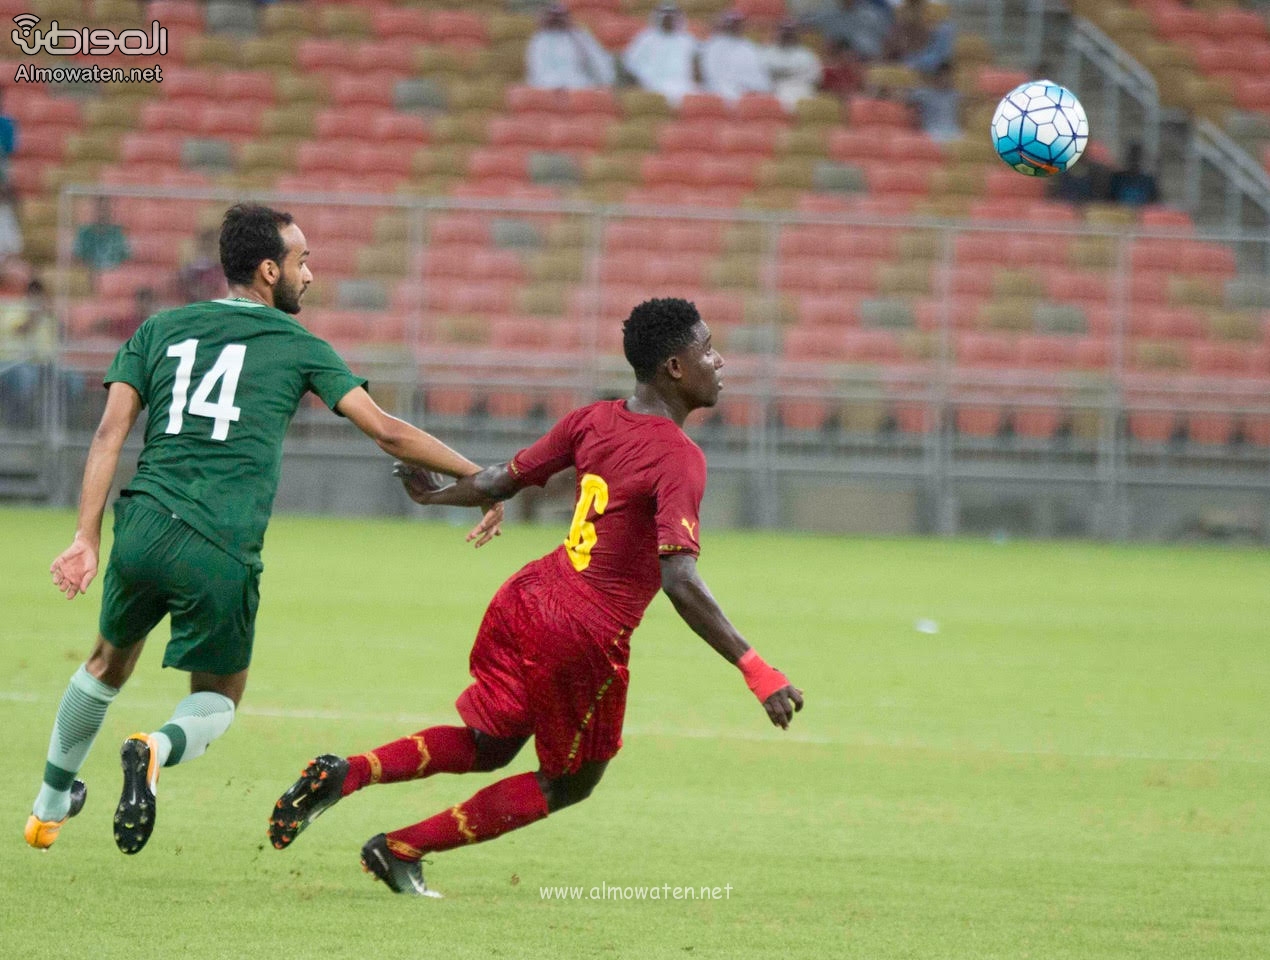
[160,565]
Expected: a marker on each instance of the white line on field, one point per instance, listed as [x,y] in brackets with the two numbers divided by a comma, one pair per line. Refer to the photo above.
[641,730]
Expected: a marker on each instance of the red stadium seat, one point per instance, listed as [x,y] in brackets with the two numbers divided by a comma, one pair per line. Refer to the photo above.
[165,118]
[315,55]
[803,413]
[703,106]
[864,112]
[374,90]
[592,102]
[398,22]
[815,343]
[396,57]
[1039,422]
[404,130]
[872,346]
[1047,352]
[449,229]
[1093,353]
[175,13]
[986,350]
[979,421]
[504,164]
[1238,26]
[456,26]
[238,121]
[1212,429]
[524,99]
[761,106]
[244,86]
[1152,426]
[475,264]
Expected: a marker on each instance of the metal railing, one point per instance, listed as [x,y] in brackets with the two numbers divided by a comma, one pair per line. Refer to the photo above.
[1121,78]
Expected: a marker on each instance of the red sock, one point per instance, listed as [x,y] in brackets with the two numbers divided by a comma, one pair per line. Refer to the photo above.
[500,807]
[435,750]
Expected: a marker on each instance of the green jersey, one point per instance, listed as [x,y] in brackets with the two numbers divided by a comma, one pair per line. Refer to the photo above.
[222,380]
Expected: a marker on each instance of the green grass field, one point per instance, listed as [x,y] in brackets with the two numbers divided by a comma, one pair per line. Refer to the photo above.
[1076,764]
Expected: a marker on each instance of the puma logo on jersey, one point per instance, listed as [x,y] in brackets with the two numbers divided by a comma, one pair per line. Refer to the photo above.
[692,527]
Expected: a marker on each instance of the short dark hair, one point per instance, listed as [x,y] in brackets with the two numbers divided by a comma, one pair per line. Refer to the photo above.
[249,235]
[655,331]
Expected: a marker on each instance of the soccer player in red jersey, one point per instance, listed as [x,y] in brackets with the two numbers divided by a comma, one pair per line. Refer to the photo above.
[550,658]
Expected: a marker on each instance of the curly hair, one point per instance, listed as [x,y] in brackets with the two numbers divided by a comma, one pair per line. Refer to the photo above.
[655,331]
[249,235]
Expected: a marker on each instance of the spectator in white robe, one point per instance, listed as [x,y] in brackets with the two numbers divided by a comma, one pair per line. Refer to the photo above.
[565,56]
[662,57]
[794,67]
[732,64]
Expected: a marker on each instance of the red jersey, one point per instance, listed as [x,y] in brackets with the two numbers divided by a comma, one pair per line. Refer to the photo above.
[640,482]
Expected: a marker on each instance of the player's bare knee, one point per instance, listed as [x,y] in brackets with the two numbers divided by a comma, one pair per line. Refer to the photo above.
[110,664]
[230,685]
[494,753]
[568,789]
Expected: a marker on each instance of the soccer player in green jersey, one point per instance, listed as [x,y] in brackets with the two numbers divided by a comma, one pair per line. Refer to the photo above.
[221,379]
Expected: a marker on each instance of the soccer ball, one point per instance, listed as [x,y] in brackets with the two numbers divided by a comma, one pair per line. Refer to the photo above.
[1040,128]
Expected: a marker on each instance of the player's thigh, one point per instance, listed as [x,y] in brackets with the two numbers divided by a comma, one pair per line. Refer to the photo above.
[135,587]
[497,702]
[578,700]
[213,600]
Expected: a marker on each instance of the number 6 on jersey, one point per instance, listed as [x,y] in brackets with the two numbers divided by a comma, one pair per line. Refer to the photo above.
[226,370]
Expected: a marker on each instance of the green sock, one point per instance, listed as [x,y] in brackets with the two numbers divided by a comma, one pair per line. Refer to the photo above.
[79,717]
[197,720]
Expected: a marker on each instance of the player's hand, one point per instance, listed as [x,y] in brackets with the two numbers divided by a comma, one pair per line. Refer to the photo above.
[783,704]
[491,526]
[420,484]
[75,568]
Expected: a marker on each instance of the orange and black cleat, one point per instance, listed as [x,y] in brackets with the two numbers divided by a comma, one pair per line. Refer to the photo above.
[318,789]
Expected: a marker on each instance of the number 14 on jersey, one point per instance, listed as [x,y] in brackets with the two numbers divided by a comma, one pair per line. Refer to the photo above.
[225,371]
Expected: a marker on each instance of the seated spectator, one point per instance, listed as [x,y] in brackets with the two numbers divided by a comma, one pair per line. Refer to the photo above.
[123,326]
[662,56]
[563,56]
[8,139]
[731,64]
[101,244]
[1089,181]
[201,276]
[938,105]
[1131,185]
[794,68]
[860,24]
[843,73]
[914,43]
[28,345]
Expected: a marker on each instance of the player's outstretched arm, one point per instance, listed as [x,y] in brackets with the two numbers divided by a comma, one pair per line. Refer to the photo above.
[697,607]
[402,440]
[417,447]
[76,566]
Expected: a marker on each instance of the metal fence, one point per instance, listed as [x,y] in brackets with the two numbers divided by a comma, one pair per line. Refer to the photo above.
[882,372]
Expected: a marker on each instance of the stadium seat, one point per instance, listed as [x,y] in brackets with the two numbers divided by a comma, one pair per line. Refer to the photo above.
[975,420]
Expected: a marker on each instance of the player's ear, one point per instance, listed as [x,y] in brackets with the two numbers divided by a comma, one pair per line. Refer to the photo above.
[674,367]
[271,271]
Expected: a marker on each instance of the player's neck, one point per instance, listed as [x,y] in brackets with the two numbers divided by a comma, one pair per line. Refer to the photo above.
[648,401]
[243,292]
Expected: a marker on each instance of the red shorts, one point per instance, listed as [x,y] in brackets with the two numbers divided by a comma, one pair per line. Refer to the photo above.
[551,664]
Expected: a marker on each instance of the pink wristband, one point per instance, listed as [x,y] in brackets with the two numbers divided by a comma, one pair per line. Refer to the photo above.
[762,680]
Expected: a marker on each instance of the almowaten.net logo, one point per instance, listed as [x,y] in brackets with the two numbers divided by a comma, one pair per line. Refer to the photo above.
[55,40]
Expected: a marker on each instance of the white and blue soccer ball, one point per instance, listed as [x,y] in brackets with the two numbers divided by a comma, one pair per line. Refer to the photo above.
[1040,128]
